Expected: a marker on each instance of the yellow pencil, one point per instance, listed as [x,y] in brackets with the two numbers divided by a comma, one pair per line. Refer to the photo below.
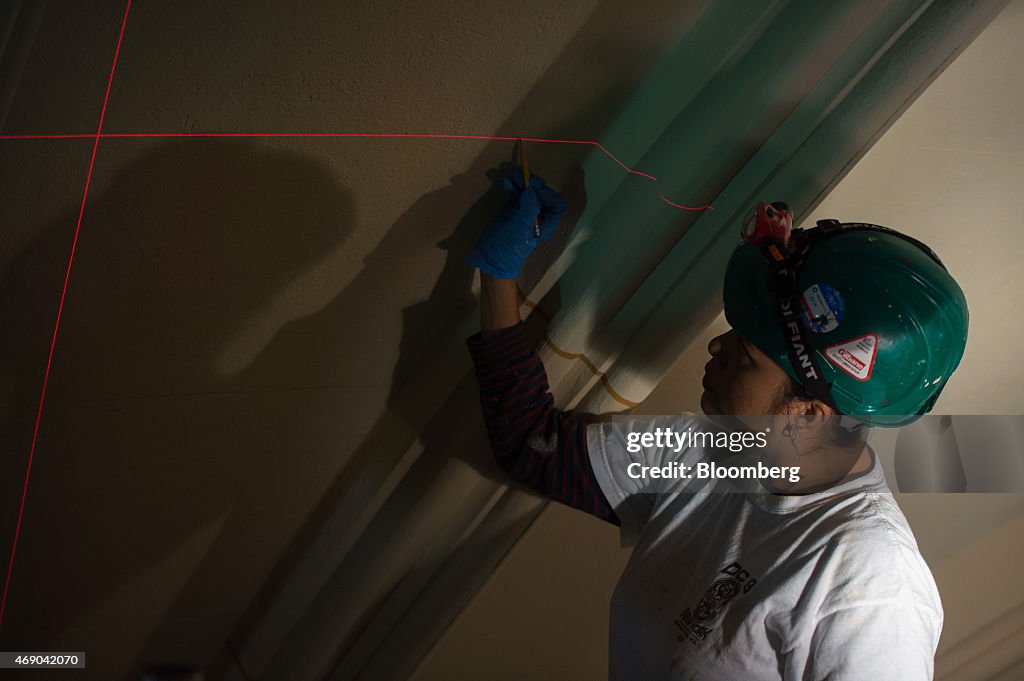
[526,180]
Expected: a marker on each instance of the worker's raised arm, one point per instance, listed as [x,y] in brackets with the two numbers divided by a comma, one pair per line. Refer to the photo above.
[499,304]
[536,444]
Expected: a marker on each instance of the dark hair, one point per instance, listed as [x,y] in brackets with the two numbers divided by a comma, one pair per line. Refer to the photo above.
[838,435]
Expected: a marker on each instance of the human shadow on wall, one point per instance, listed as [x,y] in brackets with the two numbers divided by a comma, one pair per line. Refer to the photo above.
[452,291]
[143,451]
[441,421]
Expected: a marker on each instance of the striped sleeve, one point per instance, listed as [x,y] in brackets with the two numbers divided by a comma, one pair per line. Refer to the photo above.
[538,445]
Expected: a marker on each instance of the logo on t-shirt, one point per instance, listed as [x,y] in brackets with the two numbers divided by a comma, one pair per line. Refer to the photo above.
[694,623]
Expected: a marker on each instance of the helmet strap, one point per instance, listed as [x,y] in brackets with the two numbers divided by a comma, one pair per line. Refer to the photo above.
[784,261]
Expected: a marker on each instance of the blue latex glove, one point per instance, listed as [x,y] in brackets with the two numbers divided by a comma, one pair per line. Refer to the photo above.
[511,236]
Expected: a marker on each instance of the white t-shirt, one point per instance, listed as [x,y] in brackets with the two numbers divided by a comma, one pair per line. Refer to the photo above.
[752,585]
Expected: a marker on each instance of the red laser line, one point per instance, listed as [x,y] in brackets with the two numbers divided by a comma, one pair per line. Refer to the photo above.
[123,135]
[46,137]
[685,207]
[60,308]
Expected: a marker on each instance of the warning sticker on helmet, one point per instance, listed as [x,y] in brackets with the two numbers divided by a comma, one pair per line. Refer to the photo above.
[823,308]
[856,357]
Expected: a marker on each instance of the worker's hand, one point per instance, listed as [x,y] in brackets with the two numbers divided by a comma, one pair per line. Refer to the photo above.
[511,236]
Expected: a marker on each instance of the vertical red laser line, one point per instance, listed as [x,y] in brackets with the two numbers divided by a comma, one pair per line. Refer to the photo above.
[60,308]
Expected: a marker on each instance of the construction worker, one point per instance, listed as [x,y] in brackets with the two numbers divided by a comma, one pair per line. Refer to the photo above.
[835,330]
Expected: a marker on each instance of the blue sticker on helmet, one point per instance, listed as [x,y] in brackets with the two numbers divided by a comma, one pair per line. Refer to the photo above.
[823,308]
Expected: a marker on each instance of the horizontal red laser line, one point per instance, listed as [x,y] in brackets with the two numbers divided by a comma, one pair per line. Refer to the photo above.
[48,137]
[60,308]
[125,135]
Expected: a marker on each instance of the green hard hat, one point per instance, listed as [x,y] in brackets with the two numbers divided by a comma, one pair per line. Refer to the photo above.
[886,322]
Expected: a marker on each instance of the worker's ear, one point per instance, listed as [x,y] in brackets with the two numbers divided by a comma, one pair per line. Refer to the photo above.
[807,413]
